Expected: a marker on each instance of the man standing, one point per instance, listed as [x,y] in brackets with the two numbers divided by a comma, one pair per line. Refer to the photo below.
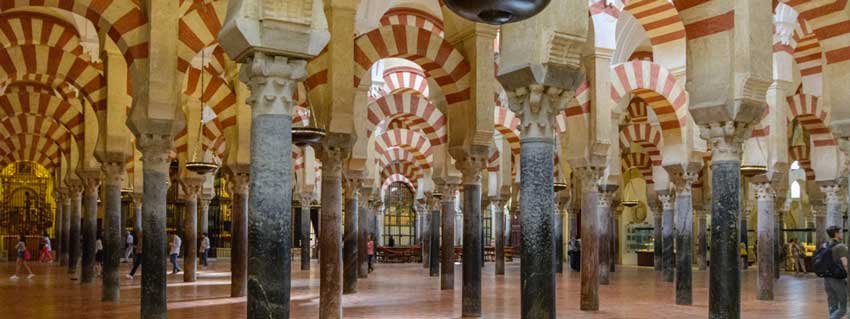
[205,248]
[836,285]
[128,246]
[175,251]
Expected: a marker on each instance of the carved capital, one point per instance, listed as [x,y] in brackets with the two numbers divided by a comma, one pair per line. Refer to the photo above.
[114,173]
[536,106]
[90,181]
[471,165]
[590,178]
[155,149]
[832,191]
[605,199]
[683,181]
[666,201]
[239,182]
[449,190]
[764,192]
[191,187]
[273,81]
[352,182]
[725,139]
[332,152]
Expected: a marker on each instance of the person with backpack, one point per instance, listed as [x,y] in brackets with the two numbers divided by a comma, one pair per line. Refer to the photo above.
[830,262]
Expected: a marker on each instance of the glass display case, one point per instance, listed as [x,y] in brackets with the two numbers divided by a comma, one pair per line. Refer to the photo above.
[639,238]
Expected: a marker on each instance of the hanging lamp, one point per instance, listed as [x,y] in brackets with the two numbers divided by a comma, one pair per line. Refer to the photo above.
[559,186]
[496,12]
[308,135]
[201,167]
[630,202]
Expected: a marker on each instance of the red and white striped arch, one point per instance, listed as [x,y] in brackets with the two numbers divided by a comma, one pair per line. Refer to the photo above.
[28,146]
[409,170]
[637,110]
[395,154]
[828,20]
[397,178]
[578,106]
[810,113]
[68,115]
[198,28]
[645,135]
[413,17]
[639,161]
[661,90]
[413,107]
[121,21]
[301,117]
[213,137]
[506,123]
[493,160]
[437,57]
[217,93]
[23,155]
[17,62]
[405,78]
[659,19]
[411,141]
[37,125]
[29,28]
[800,153]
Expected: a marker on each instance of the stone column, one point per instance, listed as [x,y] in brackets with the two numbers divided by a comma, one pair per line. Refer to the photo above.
[239,190]
[590,236]
[766,240]
[684,232]
[780,241]
[191,188]
[204,213]
[485,207]
[499,230]
[702,240]
[349,239]
[363,232]
[113,230]
[91,184]
[58,248]
[833,199]
[137,212]
[603,210]
[333,152]
[725,141]
[666,236]
[425,235]
[447,251]
[434,241]
[66,227]
[617,211]
[572,218]
[470,164]
[155,151]
[820,225]
[75,239]
[306,203]
[658,237]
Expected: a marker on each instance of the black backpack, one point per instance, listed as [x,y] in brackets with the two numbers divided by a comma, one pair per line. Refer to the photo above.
[824,265]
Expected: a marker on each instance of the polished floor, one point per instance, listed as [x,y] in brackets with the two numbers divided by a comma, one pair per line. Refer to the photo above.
[398,291]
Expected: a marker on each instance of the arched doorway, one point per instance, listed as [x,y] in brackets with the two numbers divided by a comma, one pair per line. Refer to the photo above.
[400,216]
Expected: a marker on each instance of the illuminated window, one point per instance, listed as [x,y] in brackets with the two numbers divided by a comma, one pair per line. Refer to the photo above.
[795,165]
[795,189]
[400,217]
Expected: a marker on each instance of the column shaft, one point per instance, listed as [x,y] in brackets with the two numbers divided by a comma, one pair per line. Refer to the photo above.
[362,239]
[667,240]
[349,249]
[75,245]
[744,236]
[330,237]
[702,240]
[766,243]
[604,216]
[239,245]
[89,232]
[190,239]
[684,233]
[558,228]
[155,174]
[537,203]
[499,229]
[204,215]
[471,297]
[724,299]
[573,227]
[658,242]
[305,235]
[137,214]
[425,239]
[447,251]
[434,252]
[614,242]
[66,231]
[57,232]
[113,244]
[589,247]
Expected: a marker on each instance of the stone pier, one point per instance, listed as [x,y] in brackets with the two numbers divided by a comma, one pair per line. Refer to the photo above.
[137,212]
[766,240]
[239,188]
[350,233]
[113,230]
[667,261]
[363,232]
[603,211]
[702,239]
[447,248]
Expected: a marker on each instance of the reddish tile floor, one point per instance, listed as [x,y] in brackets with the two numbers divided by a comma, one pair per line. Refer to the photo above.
[399,291]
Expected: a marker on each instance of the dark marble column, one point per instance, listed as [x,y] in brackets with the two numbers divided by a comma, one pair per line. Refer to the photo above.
[75,239]
[350,233]
[702,240]
[766,240]
[447,249]
[572,214]
[558,236]
[333,151]
[434,252]
[57,230]
[658,237]
[155,151]
[667,236]
[425,234]
[537,203]
[724,299]
[239,191]
[113,244]
[66,227]
[744,238]
[471,165]
[603,210]
[192,188]
[91,184]
[363,234]
[306,200]
[499,230]
[684,236]
[590,237]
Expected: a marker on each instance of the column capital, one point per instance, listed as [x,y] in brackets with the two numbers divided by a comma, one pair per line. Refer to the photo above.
[333,151]
[90,181]
[238,182]
[666,200]
[155,149]
[192,187]
[764,191]
[448,189]
[725,139]
[590,178]
[683,182]
[832,190]
[536,106]
[352,182]
[471,161]
[605,198]
[306,199]
[114,173]
[273,81]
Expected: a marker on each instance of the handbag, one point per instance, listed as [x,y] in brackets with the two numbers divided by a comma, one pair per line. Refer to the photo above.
[27,255]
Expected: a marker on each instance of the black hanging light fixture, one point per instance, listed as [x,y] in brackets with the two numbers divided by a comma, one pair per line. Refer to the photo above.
[308,135]
[201,167]
[559,186]
[496,12]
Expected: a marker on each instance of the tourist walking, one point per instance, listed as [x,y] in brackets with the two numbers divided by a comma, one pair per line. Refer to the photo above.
[830,262]
[370,251]
[22,256]
[174,250]
[205,249]
[98,256]
[46,255]
[137,255]
[128,246]
[797,257]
